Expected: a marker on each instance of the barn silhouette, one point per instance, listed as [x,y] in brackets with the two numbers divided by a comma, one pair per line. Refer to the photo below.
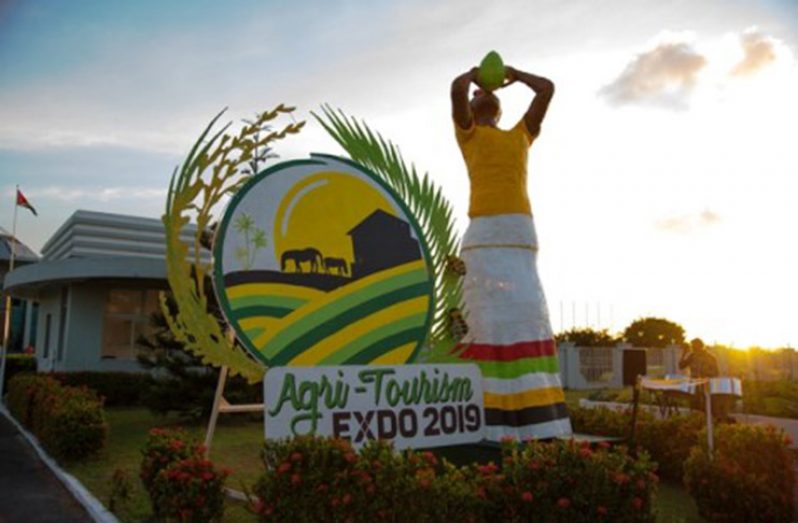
[381,241]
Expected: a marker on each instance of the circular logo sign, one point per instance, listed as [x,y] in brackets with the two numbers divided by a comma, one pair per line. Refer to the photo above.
[318,262]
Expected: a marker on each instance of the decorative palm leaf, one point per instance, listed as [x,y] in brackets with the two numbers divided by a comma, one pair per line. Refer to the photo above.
[425,200]
[210,171]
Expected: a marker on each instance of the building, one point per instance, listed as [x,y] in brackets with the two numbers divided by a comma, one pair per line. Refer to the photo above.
[382,241]
[23,313]
[96,285]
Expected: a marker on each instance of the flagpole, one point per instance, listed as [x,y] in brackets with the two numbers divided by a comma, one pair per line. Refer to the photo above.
[7,320]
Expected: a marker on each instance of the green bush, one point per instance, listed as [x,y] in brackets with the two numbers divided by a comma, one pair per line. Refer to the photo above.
[162,448]
[76,425]
[771,398]
[190,491]
[191,394]
[23,389]
[750,476]
[119,389]
[601,421]
[322,479]
[68,421]
[668,441]
[181,483]
[16,364]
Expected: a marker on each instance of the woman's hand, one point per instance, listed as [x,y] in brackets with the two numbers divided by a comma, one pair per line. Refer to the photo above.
[511,74]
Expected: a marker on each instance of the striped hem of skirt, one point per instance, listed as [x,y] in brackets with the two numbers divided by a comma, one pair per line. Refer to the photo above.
[546,430]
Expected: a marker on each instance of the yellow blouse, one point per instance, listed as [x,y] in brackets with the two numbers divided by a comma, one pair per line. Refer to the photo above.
[496,162]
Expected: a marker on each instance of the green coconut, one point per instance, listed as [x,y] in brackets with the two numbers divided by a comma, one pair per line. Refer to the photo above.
[491,71]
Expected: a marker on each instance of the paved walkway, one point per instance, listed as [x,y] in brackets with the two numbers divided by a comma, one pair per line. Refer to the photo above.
[28,490]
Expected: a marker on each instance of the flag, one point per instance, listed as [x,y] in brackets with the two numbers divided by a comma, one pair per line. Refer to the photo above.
[23,202]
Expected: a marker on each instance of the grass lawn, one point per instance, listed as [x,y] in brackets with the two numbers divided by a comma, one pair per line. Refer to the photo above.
[237,446]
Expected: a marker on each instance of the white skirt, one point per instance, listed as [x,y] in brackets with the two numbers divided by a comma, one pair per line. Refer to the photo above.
[510,334]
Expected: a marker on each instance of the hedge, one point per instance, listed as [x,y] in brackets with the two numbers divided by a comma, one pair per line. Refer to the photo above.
[749,477]
[322,479]
[16,364]
[668,441]
[68,421]
[118,389]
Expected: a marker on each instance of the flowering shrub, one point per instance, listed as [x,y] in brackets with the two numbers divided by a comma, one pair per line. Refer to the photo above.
[182,484]
[23,390]
[566,481]
[164,447]
[321,479]
[750,476]
[68,421]
[190,491]
[668,452]
[17,364]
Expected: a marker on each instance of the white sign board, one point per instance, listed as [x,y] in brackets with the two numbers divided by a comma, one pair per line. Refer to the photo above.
[411,405]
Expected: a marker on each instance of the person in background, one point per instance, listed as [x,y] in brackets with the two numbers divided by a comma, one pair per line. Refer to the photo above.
[703,364]
[699,360]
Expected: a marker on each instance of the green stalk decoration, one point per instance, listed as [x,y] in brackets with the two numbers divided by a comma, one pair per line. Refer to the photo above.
[427,203]
[211,171]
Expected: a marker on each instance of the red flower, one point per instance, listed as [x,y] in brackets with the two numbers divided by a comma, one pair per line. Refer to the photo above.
[284,467]
[585,452]
[601,510]
[535,464]
[296,456]
[640,484]
[347,499]
[207,476]
[429,457]
[296,479]
[350,457]
[527,496]
[603,445]
[637,503]
[481,493]
[487,469]
[620,478]
[563,503]
[258,506]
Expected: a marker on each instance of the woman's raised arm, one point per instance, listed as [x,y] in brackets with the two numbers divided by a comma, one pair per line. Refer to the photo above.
[544,90]
[461,110]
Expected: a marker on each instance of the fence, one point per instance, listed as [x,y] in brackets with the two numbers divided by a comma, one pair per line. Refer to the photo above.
[599,367]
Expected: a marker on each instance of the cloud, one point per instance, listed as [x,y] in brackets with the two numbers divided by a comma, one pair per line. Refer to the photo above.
[759,51]
[664,76]
[688,223]
[84,195]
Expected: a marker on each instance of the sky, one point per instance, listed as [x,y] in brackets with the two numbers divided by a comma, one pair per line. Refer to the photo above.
[663,183]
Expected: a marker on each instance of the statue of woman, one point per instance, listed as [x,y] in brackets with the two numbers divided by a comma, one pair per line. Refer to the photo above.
[510,334]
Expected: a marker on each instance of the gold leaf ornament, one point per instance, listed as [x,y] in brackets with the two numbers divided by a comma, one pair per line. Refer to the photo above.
[211,171]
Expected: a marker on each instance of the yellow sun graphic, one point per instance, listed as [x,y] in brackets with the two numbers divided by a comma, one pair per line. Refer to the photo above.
[319,211]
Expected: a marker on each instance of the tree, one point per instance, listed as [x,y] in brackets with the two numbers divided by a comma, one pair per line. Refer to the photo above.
[587,337]
[654,332]
[181,383]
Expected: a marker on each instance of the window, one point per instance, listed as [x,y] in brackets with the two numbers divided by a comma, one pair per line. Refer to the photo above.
[127,316]
[48,320]
[62,319]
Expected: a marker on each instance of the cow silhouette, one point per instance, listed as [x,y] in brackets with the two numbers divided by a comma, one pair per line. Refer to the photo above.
[300,256]
[339,264]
